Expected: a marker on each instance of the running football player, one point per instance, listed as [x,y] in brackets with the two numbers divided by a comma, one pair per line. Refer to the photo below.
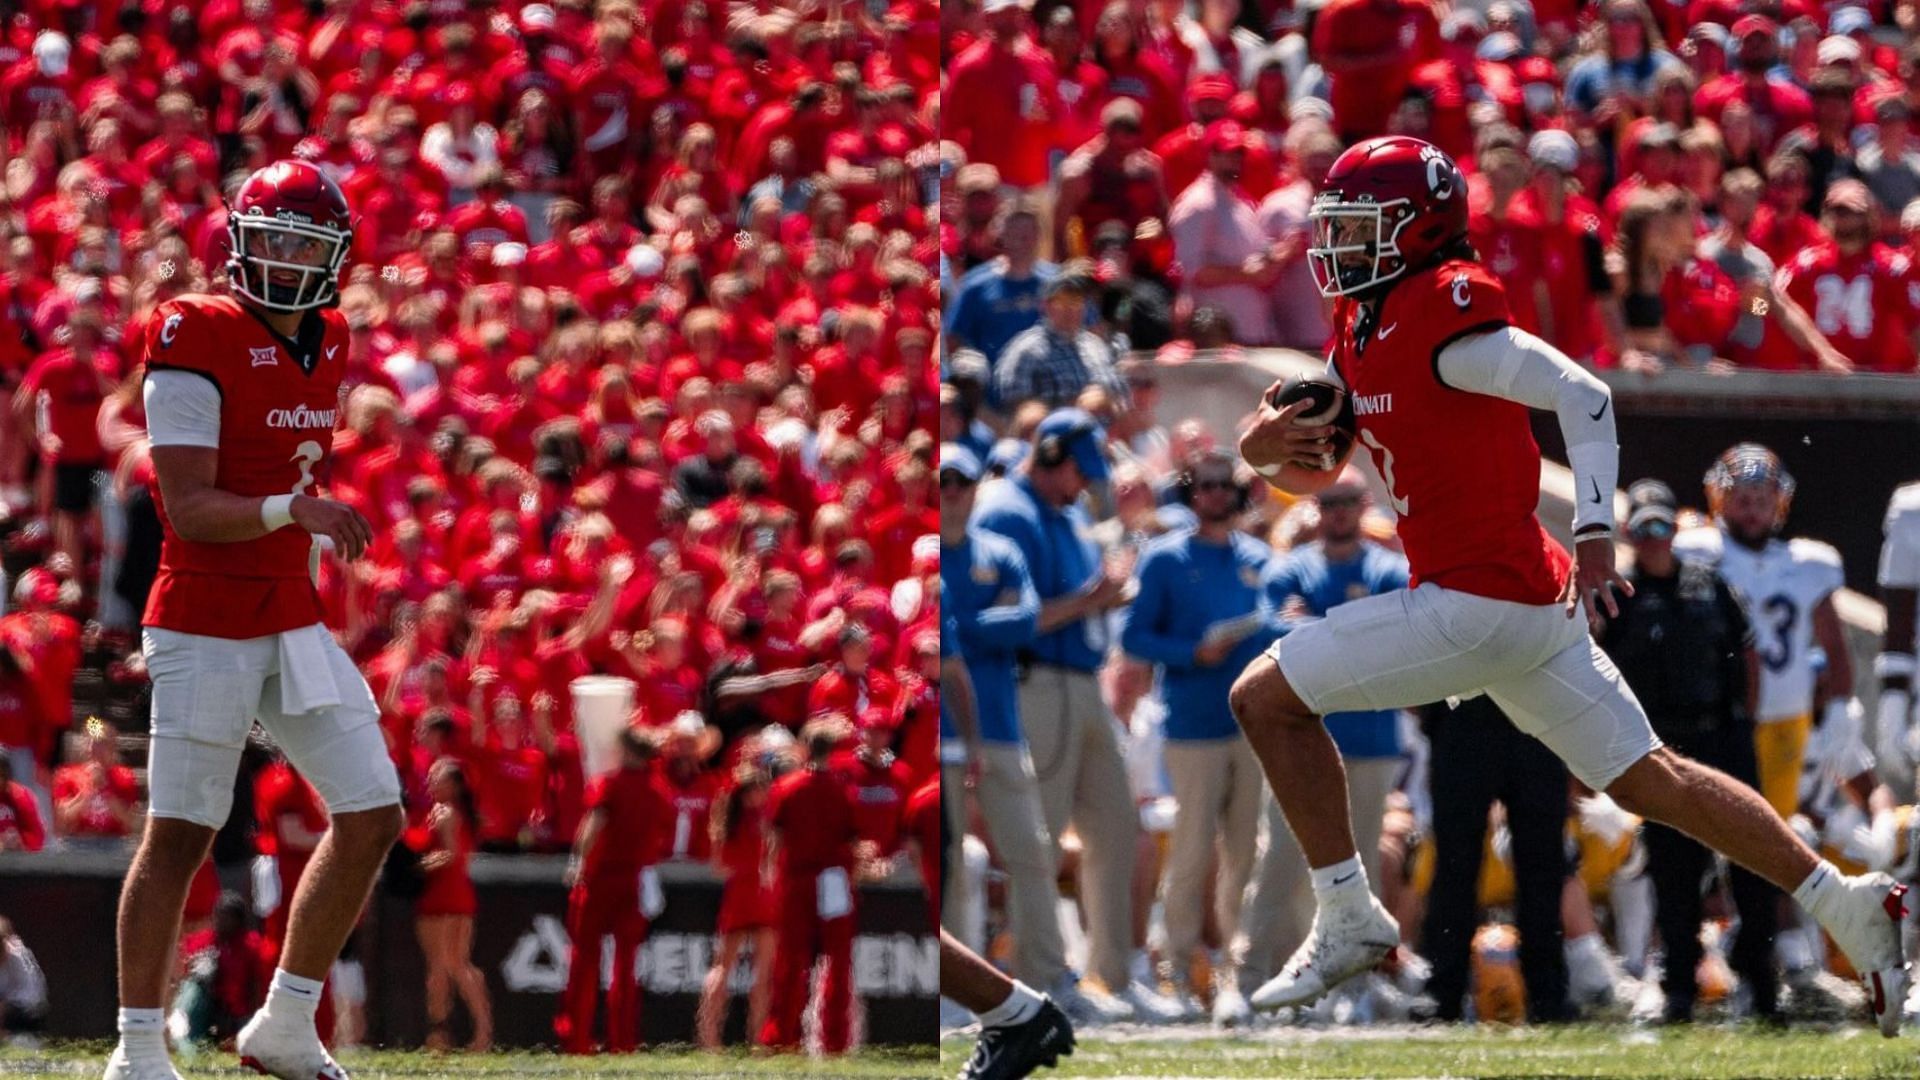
[242,392]
[1440,383]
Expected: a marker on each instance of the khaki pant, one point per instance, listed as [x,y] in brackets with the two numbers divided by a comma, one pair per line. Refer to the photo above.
[1083,779]
[1009,801]
[1280,912]
[1219,788]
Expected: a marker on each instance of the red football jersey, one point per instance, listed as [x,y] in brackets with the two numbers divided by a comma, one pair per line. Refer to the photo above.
[279,399]
[1867,303]
[813,811]
[880,790]
[1462,469]
[689,833]
[638,813]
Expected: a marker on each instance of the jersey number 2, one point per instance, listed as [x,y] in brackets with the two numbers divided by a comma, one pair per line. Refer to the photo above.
[307,454]
[1383,459]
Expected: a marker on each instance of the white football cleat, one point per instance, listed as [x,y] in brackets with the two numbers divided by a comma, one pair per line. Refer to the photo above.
[1344,942]
[1866,926]
[287,1048]
[122,1067]
[1230,1007]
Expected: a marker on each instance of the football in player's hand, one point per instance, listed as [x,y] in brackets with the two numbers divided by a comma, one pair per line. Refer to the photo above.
[1329,406]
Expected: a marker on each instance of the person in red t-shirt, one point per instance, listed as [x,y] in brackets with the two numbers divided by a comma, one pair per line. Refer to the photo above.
[746,904]
[810,814]
[1002,98]
[880,784]
[290,822]
[1368,49]
[513,766]
[60,402]
[1508,235]
[614,890]
[20,825]
[443,915]
[234,963]
[95,797]
[853,685]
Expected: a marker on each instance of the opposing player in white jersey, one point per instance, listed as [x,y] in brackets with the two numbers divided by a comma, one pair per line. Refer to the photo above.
[1788,587]
[1899,583]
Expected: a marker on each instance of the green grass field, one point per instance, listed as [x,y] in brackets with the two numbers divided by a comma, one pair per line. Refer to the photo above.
[1704,1053]
[81,1060]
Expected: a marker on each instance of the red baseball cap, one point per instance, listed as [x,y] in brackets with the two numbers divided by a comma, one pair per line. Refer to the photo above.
[1225,136]
[1754,24]
[1210,87]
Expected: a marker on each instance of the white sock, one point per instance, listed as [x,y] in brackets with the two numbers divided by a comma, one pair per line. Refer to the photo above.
[1341,883]
[144,1033]
[1020,1004]
[293,995]
[1819,892]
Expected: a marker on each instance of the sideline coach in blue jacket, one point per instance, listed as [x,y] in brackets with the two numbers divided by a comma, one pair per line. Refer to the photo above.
[1201,617]
[1074,739]
[986,591]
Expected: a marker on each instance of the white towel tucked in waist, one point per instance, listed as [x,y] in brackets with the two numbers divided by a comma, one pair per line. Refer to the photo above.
[306,676]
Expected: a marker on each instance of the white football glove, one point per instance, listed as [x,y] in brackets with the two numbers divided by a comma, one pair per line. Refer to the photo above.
[1873,845]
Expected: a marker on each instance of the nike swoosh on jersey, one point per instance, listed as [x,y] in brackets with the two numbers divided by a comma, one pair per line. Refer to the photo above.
[1601,411]
[1385,330]
[331,349]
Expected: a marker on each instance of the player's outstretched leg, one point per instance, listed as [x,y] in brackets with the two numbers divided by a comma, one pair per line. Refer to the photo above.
[1351,932]
[1020,1031]
[281,1040]
[1863,913]
[171,850]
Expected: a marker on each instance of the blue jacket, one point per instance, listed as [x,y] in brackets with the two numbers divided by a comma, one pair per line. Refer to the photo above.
[1186,585]
[1323,586]
[986,593]
[1062,556]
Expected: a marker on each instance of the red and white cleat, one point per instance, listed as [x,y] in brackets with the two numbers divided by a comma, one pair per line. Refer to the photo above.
[287,1048]
[1866,926]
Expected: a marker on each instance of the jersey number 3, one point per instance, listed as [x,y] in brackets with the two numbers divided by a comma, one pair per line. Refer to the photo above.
[307,455]
[1781,612]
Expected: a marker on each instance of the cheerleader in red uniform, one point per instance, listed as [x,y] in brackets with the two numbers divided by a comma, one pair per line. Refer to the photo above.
[740,852]
[444,914]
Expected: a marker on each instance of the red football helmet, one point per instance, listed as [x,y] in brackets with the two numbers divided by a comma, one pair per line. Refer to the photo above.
[288,219]
[1390,205]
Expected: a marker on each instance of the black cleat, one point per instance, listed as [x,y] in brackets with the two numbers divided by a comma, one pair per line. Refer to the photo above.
[1009,1053]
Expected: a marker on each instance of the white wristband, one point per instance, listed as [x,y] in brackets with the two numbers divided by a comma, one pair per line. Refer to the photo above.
[276,511]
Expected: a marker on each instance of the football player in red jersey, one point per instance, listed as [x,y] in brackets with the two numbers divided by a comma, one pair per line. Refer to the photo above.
[1439,384]
[242,391]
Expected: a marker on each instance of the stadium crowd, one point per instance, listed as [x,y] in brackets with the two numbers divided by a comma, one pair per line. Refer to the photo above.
[641,383]
[1716,187]
[1711,186]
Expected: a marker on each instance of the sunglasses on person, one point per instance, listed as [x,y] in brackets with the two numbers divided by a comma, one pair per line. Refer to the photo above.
[953,481]
[1339,502]
[1214,485]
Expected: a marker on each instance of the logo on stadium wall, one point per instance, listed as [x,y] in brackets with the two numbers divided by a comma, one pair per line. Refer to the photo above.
[884,965]
[301,418]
